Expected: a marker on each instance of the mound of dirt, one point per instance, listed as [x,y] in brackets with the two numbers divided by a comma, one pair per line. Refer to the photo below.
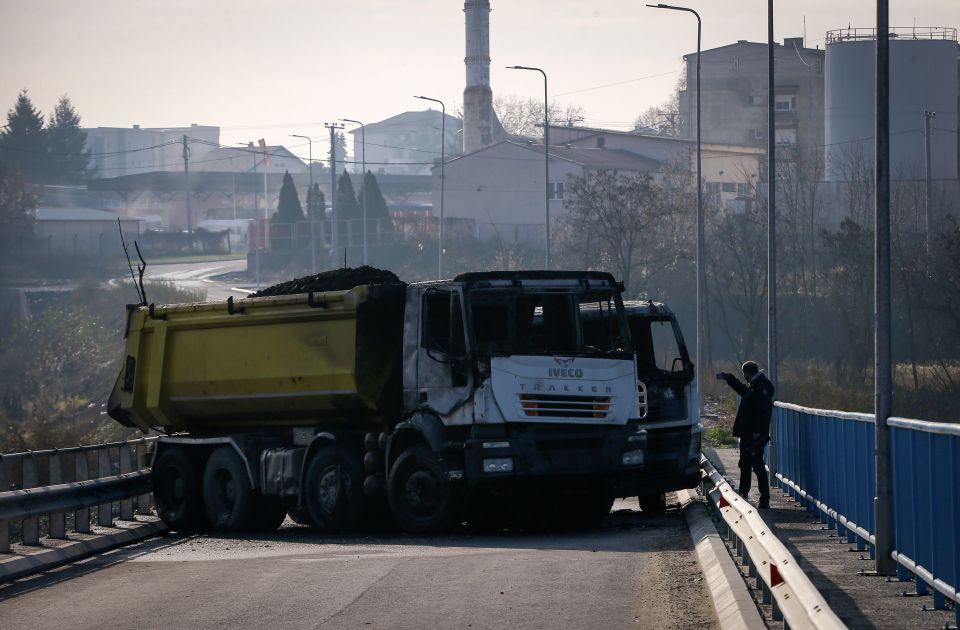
[333,280]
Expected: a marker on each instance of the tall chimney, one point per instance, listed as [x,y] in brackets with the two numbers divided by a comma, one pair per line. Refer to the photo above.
[477,96]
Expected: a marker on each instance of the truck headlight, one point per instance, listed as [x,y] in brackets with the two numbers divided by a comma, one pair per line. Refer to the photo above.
[632,458]
[498,464]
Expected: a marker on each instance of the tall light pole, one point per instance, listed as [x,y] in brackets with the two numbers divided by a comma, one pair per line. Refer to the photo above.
[313,237]
[701,281]
[443,139]
[363,179]
[256,215]
[771,219]
[546,155]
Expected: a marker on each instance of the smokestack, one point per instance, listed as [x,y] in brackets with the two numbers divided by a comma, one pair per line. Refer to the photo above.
[478,126]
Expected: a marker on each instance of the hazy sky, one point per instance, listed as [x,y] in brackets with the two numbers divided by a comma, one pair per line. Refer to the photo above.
[269,68]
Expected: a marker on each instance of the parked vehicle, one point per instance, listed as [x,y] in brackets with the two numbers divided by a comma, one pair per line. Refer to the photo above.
[414,401]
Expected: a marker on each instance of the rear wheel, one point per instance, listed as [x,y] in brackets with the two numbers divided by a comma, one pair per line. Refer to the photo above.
[421,498]
[334,489]
[230,500]
[176,490]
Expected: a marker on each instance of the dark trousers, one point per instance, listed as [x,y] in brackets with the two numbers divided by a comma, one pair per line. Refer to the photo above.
[751,461]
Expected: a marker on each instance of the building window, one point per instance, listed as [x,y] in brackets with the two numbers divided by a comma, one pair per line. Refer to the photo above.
[729,187]
[555,190]
[736,63]
[713,188]
[786,102]
[786,136]
[758,134]
[743,189]
[819,65]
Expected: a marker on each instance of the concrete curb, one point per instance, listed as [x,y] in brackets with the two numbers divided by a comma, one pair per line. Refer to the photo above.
[29,560]
[732,601]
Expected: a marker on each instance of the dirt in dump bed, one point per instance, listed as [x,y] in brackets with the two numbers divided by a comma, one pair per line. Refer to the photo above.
[333,280]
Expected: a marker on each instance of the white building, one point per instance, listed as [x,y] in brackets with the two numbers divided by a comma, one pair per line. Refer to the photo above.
[118,151]
[406,144]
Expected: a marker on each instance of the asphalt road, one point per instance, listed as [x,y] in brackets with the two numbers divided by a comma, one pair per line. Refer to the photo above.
[199,275]
[635,571]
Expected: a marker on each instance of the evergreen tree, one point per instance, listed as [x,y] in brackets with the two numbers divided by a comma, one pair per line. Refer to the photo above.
[16,208]
[347,207]
[376,205]
[23,143]
[289,211]
[316,203]
[66,141]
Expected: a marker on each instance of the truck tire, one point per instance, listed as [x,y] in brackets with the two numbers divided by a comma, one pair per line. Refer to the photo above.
[334,489]
[230,501]
[653,503]
[585,511]
[176,490]
[421,498]
[299,515]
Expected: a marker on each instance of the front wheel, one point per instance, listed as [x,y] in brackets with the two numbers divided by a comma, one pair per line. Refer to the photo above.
[421,498]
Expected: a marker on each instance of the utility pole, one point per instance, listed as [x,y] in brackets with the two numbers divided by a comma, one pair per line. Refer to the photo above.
[771,220]
[443,142]
[883,367]
[928,224]
[363,179]
[334,241]
[186,183]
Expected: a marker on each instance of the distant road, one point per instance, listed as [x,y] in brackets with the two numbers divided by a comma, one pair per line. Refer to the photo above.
[198,275]
[636,571]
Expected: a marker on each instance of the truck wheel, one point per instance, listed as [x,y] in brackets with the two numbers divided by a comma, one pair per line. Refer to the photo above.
[299,515]
[420,496]
[230,501]
[587,511]
[653,503]
[176,490]
[334,489]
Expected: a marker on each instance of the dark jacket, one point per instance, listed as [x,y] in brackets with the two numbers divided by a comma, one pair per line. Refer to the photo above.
[756,406]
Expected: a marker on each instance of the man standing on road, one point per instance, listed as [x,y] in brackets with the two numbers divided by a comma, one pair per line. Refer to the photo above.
[752,426]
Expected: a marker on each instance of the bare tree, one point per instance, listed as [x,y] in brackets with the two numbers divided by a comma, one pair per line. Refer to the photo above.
[623,223]
[524,116]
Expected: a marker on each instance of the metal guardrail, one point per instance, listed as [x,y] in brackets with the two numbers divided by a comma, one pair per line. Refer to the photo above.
[782,582]
[825,459]
[58,484]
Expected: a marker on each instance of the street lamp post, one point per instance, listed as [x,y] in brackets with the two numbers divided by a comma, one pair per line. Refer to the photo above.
[256,216]
[701,281]
[313,236]
[363,179]
[546,155]
[443,138]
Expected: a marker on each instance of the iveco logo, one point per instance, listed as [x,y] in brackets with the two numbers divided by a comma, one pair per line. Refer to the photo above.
[566,373]
[563,362]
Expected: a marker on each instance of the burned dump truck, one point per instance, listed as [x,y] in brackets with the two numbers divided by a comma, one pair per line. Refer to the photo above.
[347,405]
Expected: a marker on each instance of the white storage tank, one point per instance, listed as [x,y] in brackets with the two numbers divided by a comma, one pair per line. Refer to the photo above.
[923,77]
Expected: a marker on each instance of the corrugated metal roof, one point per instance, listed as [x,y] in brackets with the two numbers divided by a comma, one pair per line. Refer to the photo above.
[46,213]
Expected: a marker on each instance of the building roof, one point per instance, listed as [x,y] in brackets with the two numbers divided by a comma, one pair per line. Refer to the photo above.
[408,119]
[240,159]
[588,157]
[47,213]
[788,43]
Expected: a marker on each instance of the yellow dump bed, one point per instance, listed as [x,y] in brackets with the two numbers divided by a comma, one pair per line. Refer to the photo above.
[264,362]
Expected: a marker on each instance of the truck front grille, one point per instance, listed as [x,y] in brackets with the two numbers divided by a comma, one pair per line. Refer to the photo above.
[559,406]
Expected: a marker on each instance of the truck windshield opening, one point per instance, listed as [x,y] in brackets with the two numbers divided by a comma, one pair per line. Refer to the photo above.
[513,321]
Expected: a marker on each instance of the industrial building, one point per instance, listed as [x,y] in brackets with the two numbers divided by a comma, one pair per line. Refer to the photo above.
[119,151]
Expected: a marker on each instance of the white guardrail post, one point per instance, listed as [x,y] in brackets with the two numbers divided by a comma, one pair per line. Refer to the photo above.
[781,580]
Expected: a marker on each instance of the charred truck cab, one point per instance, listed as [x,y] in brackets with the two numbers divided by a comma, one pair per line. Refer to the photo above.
[516,395]
[417,402]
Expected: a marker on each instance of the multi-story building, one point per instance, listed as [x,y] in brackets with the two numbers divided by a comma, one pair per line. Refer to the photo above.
[733,85]
[119,151]
[406,144]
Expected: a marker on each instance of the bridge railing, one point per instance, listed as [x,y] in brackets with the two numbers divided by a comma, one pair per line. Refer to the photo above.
[47,491]
[825,459]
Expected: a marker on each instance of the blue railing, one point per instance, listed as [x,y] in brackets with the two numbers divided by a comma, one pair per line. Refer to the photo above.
[825,459]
